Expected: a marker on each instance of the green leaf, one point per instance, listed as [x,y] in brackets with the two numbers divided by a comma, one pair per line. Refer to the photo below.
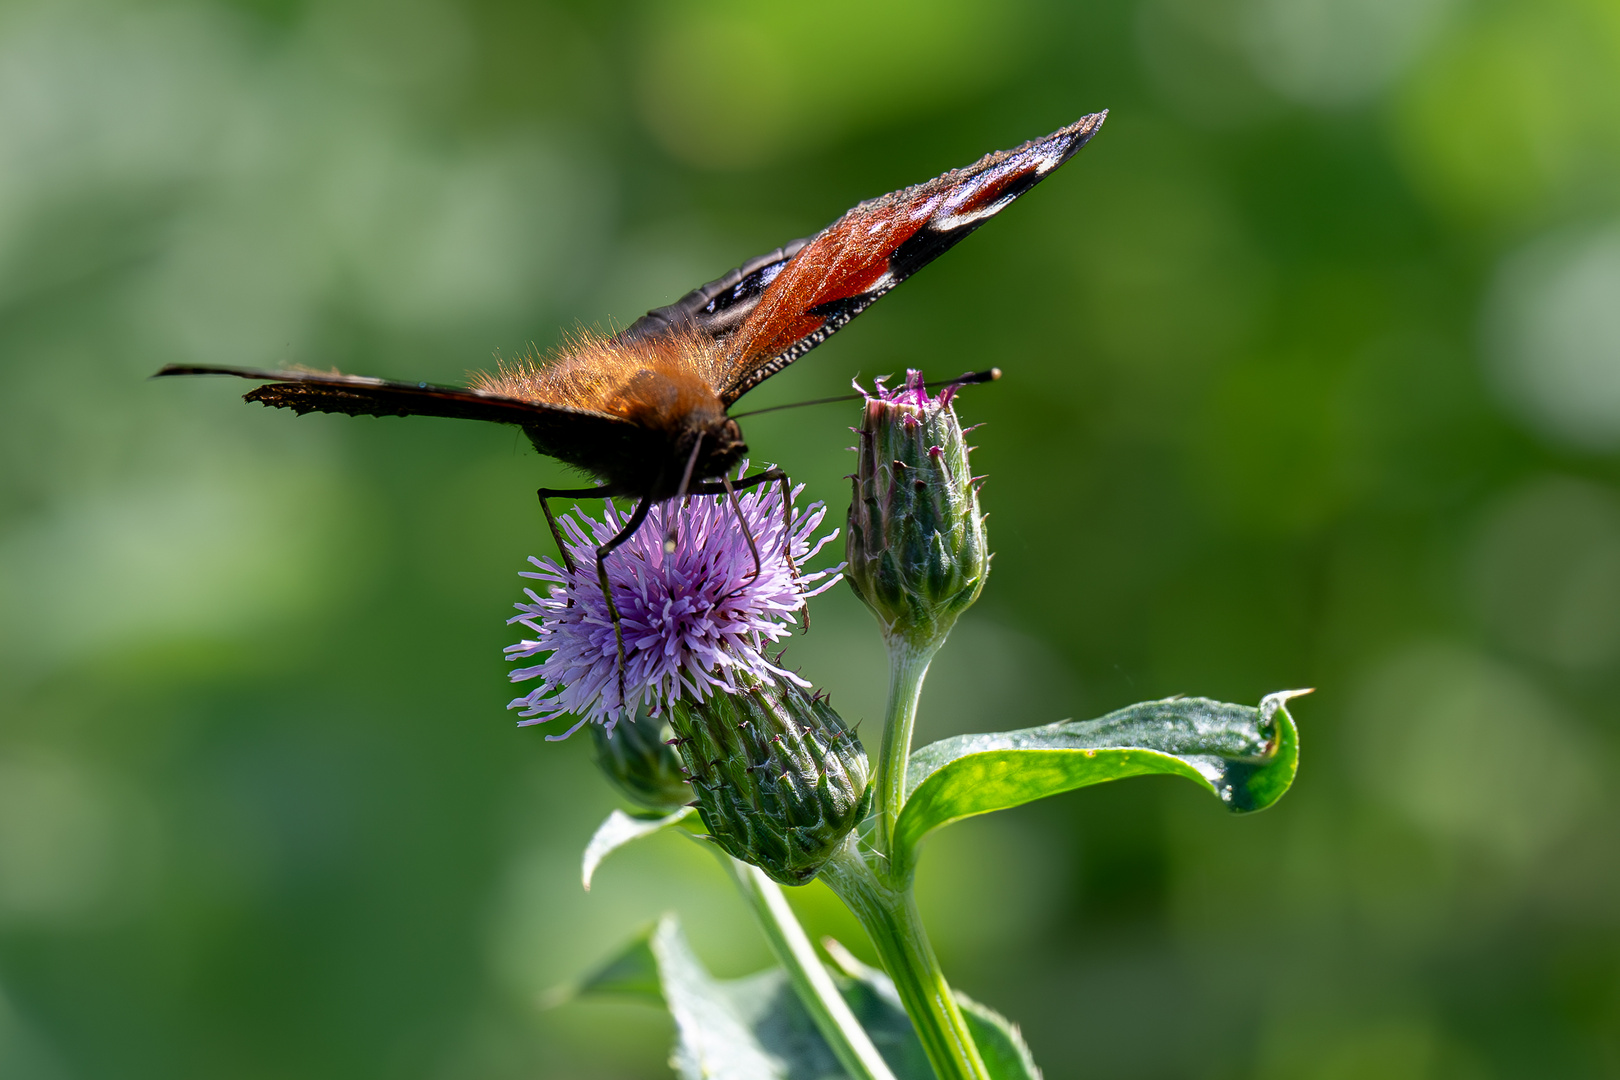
[739,1029]
[630,973]
[1245,756]
[876,1003]
[751,1028]
[754,1028]
[619,829]
[1000,1043]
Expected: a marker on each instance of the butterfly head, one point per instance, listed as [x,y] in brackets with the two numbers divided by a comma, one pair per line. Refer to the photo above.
[717,442]
[729,448]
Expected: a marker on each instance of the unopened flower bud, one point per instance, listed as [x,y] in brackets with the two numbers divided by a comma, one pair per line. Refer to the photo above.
[638,755]
[916,545]
[780,781]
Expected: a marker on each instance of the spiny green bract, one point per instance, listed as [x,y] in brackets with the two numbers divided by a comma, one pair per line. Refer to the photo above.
[780,781]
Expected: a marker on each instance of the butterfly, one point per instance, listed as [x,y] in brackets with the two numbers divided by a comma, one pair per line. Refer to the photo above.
[645,410]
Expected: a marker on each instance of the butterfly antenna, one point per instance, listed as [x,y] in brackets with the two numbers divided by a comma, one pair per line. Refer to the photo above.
[965,380]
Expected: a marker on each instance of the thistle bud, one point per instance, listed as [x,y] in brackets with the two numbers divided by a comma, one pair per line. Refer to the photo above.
[780,781]
[916,545]
[639,757]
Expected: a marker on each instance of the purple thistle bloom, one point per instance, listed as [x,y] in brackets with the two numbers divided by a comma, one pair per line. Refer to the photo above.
[694,619]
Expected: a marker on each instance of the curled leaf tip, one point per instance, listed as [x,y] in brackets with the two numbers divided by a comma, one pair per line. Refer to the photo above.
[1272,702]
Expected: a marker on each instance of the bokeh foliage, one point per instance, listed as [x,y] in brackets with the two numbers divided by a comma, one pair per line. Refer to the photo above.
[1313,378]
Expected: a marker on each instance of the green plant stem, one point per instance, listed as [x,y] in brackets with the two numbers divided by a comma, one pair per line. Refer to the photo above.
[889,915]
[908,666]
[826,1006]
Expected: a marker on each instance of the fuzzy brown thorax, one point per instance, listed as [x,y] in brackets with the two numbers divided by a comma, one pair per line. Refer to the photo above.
[664,387]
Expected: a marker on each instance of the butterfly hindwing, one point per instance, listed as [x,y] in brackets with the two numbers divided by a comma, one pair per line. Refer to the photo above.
[847,266]
[721,306]
[559,426]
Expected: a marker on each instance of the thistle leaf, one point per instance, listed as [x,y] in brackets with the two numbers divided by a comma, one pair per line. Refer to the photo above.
[754,1028]
[740,1029]
[876,1003]
[1243,755]
[633,974]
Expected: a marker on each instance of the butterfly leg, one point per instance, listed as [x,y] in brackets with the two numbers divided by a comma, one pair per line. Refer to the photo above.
[753,549]
[787,537]
[629,530]
[574,493]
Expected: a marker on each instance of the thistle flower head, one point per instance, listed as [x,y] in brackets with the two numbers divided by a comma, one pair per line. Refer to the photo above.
[916,544]
[694,619]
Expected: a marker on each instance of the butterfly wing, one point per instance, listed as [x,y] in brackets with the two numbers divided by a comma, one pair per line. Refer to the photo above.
[844,268]
[571,434]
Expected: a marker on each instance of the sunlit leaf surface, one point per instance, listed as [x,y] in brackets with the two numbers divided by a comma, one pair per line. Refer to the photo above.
[1246,756]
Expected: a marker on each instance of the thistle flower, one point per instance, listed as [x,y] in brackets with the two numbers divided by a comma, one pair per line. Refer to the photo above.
[695,620]
[916,545]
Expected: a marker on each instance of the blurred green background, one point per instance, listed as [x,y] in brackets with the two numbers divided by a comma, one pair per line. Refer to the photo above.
[1312,379]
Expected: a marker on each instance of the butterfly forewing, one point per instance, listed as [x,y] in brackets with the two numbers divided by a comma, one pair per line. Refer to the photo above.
[877,245]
